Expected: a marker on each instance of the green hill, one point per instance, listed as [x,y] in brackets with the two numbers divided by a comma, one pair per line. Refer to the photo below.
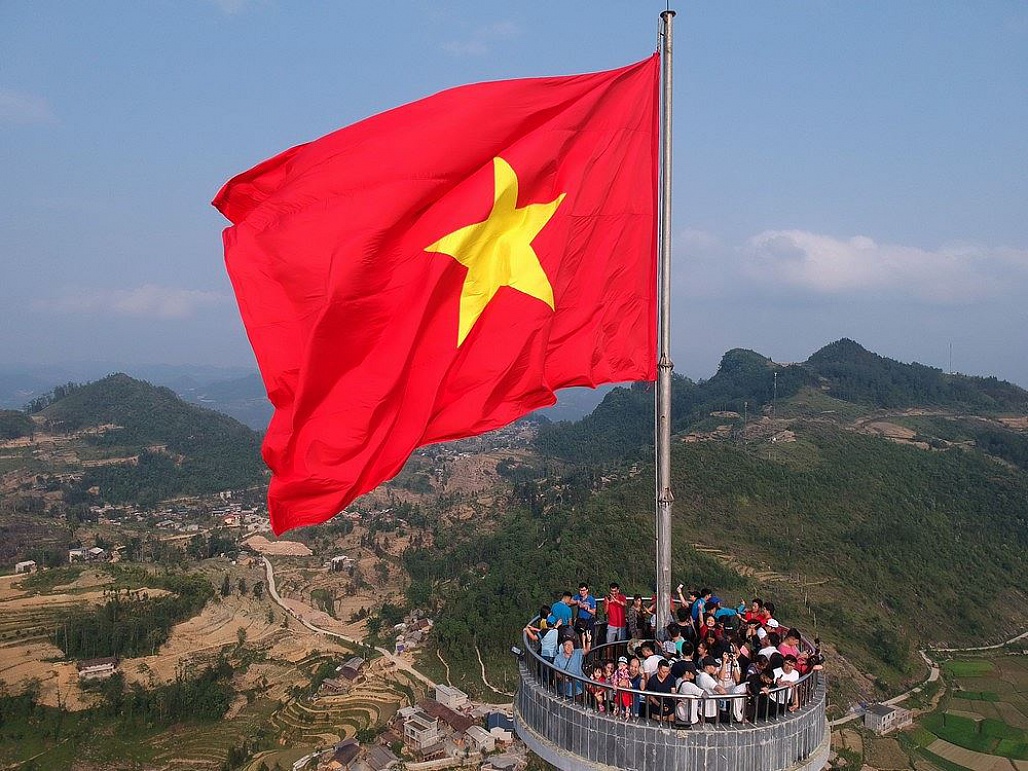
[15,424]
[176,448]
[854,374]
[871,499]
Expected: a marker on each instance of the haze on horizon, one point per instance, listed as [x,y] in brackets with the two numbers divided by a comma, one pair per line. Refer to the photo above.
[840,171]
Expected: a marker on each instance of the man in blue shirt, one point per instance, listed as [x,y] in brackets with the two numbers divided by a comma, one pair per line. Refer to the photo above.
[569,660]
[561,611]
[586,605]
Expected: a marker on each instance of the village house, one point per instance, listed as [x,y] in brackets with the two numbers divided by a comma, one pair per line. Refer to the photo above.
[28,566]
[457,722]
[883,718]
[480,740]
[343,754]
[378,758]
[341,564]
[97,669]
[451,697]
[421,736]
[352,668]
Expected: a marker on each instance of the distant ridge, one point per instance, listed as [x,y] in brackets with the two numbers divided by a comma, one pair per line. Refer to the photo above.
[853,373]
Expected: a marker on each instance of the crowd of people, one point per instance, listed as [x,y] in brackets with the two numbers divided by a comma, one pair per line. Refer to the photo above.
[739,664]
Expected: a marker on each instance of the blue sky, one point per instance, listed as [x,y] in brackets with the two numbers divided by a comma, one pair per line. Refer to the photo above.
[841,169]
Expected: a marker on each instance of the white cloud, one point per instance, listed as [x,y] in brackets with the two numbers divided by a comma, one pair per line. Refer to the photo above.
[800,260]
[479,42]
[19,107]
[147,301]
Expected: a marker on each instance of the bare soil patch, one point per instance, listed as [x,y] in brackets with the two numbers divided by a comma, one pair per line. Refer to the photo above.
[889,430]
[886,754]
[277,548]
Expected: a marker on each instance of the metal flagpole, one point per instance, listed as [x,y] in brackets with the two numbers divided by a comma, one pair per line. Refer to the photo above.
[664,365]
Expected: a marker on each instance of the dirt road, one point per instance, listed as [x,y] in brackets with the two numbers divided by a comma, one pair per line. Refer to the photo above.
[298,615]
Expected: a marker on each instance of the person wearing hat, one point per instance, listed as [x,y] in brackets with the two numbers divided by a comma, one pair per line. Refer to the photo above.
[687,711]
[661,682]
[707,681]
[621,679]
[771,643]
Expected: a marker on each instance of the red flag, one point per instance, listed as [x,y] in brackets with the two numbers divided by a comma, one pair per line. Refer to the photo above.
[439,270]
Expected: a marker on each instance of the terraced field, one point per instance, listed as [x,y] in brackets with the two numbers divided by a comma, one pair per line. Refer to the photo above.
[205,747]
[373,701]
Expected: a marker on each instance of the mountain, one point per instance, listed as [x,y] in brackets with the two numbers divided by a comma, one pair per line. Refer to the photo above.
[856,375]
[881,505]
[140,443]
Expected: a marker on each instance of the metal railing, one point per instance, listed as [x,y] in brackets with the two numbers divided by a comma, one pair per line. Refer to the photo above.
[739,707]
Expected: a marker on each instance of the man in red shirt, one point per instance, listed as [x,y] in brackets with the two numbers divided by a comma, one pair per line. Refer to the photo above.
[615,606]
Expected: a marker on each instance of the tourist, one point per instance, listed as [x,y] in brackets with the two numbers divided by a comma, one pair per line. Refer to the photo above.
[687,711]
[661,682]
[637,683]
[586,605]
[790,645]
[569,661]
[784,676]
[615,607]
[650,659]
[622,678]
[596,691]
[561,611]
[729,677]
[706,679]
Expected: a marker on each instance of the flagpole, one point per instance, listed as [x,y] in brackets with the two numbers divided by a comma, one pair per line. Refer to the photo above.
[665,365]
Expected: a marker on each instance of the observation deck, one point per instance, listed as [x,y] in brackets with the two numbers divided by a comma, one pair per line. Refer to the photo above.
[557,716]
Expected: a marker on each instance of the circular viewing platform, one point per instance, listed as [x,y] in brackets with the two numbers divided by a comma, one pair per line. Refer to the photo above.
[568,721]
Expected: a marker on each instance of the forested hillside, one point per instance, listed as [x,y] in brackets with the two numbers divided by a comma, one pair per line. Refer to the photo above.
[875,526]
[146,444]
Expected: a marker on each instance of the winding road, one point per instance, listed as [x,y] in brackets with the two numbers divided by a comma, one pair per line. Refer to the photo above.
[400,663]
[933,673]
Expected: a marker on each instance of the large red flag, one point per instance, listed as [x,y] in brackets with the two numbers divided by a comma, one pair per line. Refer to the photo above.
[439,270]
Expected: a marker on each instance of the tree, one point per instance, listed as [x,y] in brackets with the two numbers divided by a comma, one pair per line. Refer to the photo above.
[226,586]
[258,590]
[241,586]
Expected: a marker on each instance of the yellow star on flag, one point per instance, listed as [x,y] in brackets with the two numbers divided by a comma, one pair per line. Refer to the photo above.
[498,251]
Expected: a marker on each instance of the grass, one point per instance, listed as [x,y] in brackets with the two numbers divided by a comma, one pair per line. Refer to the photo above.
[945,765]
[976,695]
[44,581]
[989,736]
[965,668]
